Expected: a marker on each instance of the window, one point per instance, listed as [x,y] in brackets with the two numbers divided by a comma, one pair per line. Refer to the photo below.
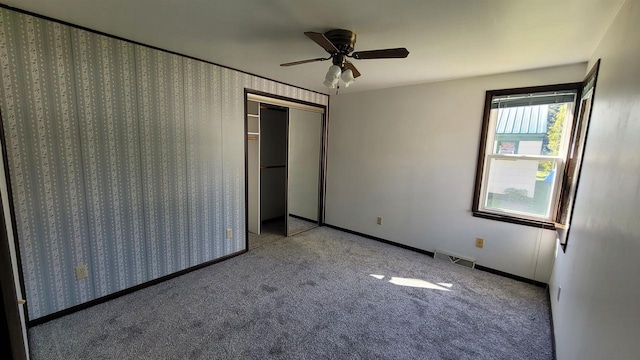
[526,136]
[574,157]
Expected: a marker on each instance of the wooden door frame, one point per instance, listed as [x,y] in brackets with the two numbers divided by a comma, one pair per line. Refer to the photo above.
[10,307]
[323,154]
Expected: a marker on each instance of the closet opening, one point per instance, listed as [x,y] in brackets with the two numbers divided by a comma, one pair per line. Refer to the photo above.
[285,152]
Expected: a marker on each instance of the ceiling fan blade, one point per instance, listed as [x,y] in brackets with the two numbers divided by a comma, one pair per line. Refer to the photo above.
[322,40]
[350,66]
[303,62]
[381,54]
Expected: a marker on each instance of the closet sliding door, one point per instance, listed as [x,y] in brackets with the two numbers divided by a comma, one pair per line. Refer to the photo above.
[288,185]
[303,170]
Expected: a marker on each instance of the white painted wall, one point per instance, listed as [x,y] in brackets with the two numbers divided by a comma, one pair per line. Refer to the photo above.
[598,315]
[409,154]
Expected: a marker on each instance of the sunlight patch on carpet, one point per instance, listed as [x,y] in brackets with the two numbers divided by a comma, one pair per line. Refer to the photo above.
[417,283]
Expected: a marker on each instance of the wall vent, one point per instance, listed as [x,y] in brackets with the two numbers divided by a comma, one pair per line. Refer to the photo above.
[454,258]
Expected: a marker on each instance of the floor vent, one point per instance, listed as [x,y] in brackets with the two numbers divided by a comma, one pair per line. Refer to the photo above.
[454,258]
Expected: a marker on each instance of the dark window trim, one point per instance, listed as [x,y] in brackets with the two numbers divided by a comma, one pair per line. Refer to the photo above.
[515,220]
[569,198]
[483,144]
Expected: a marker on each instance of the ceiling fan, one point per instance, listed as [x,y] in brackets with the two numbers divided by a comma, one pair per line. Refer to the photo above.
[340,45]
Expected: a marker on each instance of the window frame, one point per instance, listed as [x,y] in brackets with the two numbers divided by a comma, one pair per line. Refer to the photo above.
[575,154]
[477,209]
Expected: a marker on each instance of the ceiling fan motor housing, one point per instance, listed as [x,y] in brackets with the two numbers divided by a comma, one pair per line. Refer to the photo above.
[344,40]
[339,60]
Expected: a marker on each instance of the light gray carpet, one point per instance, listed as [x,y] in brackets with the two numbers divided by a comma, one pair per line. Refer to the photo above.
[297,225]
[278,227]
[313,296]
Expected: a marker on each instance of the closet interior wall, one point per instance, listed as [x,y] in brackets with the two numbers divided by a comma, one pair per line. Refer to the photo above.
[273,162]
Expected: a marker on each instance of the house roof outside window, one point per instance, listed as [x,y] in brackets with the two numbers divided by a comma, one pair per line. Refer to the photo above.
[523,120]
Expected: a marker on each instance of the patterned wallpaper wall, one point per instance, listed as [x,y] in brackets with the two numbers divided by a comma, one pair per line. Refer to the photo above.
[124,158]
[108,124]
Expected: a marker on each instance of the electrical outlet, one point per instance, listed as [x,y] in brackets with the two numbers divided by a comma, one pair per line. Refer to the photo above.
[81,272]
[229,233]
[480,243]
[559,291]
[379,220]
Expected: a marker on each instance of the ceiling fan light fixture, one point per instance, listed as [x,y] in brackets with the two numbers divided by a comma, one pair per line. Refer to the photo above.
[332,77]
[334,71]
[347,77]
[331,84]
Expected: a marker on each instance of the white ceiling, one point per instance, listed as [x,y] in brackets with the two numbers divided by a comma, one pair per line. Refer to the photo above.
[447,39]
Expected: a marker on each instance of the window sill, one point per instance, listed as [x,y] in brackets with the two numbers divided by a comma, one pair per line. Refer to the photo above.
[516,220]
[561,232]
